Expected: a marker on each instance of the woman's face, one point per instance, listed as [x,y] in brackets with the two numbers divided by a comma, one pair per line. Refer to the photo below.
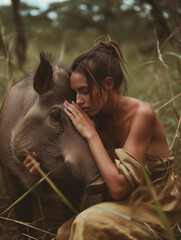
[79,84]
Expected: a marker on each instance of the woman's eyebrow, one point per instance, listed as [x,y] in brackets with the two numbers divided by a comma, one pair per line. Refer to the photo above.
[83,87]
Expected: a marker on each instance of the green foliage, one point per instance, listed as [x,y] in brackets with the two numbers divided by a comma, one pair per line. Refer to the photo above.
[74,27]
[68,28]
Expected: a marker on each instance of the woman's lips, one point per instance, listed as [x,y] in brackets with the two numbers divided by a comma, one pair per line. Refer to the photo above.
[85,109]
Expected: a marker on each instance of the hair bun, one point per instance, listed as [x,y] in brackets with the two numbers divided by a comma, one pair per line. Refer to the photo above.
[112,49]
[106,47]
[102,60]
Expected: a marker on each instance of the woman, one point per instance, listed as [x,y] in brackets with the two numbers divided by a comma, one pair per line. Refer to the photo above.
[130,142]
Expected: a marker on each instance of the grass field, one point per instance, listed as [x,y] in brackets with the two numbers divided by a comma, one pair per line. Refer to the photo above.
[154,78]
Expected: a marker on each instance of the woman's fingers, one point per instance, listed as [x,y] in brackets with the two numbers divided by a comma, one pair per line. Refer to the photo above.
[69,114]
[79,118]
[77,107]
[72,110]
[31,165]
[33,170]
[27,160]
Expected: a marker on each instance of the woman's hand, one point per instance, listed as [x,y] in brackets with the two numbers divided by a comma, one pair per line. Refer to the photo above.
[32,166]
[84,125]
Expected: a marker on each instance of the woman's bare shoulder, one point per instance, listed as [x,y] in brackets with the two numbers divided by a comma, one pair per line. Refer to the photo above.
[140,107]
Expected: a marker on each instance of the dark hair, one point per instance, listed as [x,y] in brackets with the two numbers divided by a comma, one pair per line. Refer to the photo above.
[103,60]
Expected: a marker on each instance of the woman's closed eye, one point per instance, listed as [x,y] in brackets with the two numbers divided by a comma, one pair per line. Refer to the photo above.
[84,91]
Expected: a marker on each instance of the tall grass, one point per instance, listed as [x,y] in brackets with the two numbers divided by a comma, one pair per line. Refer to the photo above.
[156,80]
[6,64]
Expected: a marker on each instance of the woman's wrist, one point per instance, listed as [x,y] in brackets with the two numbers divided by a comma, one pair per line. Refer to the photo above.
[91,136]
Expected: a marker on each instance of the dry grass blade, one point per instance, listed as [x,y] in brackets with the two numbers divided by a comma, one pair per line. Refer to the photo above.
[8,55]
[165,104]
[3,35]
[166,69]
[27,225]
[41,211]
[29,237]
[149,62]
[7,49]
[163,63]
[161,213]
[176,31]
[176,133]
[52,185]
[4,46]
[62,50]
[23,196]
[173,54]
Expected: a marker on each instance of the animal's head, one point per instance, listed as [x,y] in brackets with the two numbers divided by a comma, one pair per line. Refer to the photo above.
[46,130]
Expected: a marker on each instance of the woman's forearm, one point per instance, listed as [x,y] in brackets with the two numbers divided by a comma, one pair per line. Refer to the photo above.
[115,181]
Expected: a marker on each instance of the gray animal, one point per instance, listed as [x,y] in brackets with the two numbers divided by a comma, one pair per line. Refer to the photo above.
[32,120]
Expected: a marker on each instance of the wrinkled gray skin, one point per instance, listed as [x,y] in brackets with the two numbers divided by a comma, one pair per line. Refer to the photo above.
[32,120]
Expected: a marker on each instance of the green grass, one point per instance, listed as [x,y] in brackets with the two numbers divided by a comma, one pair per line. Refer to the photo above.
[155,77]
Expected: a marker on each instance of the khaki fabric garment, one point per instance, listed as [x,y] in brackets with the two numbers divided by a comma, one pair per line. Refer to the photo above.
[166,183]
[112,220]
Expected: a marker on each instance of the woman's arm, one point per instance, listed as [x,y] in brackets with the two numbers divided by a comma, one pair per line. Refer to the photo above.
[141,131]
[115,181]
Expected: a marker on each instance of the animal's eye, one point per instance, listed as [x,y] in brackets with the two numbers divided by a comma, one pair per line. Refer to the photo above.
[56,116]
[56,120]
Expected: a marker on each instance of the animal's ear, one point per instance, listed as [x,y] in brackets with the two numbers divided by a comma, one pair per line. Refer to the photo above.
[43,78]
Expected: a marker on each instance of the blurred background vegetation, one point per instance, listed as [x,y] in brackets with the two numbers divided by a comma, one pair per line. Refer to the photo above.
[148,32]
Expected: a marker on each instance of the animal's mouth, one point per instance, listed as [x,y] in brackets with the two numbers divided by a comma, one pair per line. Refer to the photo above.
[20,156]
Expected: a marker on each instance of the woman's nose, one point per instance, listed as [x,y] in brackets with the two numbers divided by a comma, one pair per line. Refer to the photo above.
[79,100]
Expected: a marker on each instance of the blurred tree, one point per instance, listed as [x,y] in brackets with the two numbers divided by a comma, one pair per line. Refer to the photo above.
[84,13]
[175,7]
[3,46]
[166,15]
[73,22]
[20,34]
[102,16]
[120,18]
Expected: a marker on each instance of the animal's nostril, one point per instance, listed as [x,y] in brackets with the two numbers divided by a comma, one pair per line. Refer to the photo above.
[60,159]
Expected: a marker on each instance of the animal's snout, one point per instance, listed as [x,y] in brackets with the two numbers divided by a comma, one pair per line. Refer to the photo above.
[20,156]
[60,159]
